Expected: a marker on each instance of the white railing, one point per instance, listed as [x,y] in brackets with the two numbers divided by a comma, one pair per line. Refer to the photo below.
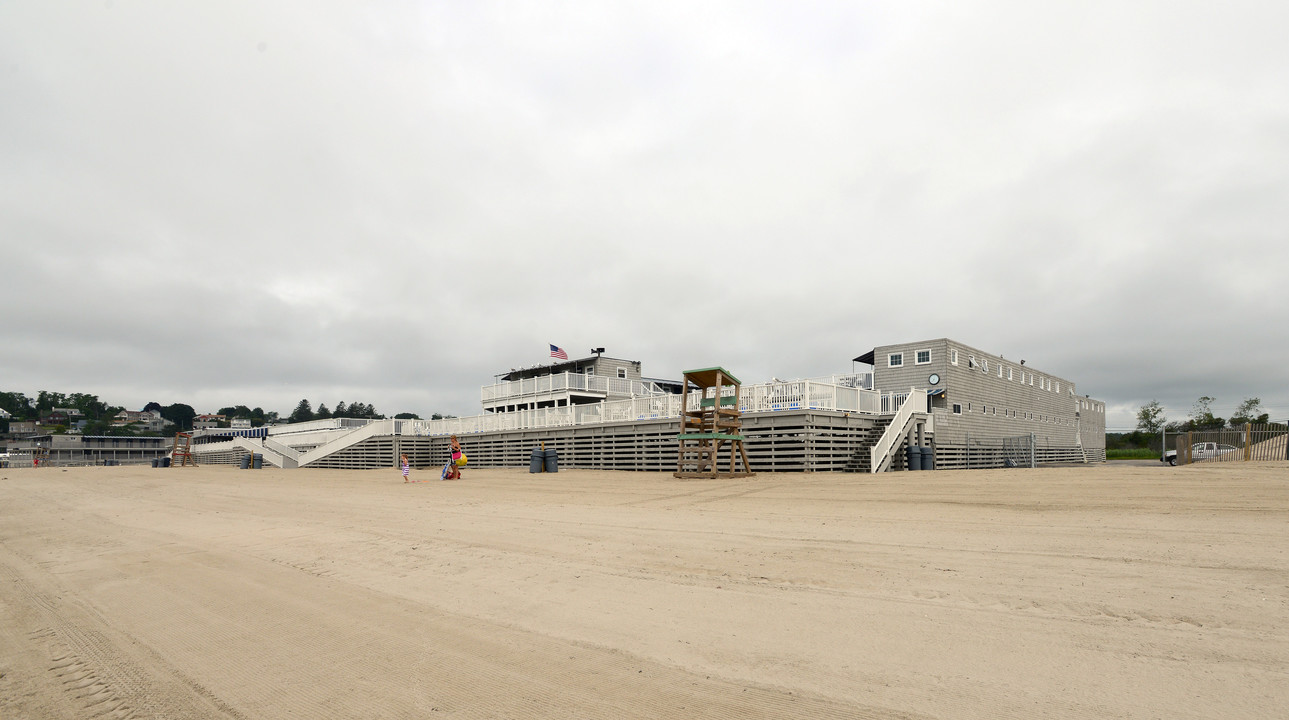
[765,397]
[371,428]
[323,437]
[899,425]
[567,381]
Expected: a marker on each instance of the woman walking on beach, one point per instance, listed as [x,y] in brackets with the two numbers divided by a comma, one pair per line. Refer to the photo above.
[406,467]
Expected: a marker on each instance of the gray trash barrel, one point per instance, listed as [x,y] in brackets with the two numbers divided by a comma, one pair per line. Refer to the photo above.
[552,461]
[165,461]
[538,461]
[156,462]
[914,457]
[246,462]
[258,461]
[928,458]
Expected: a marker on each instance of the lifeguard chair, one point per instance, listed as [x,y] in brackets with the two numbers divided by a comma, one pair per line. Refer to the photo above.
[181,453]
[713,421]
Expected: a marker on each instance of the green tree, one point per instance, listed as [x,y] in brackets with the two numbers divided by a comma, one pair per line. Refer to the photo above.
[303,412]
[90,406]
[1150,418]
[1247,412]
[323,413]
[1202,417]
[179,415]
[46,401]
[341,410]
[18,405]
[407,416]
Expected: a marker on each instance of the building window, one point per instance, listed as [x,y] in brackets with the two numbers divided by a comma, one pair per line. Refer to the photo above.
[923,357]
[957,409]
[1000,370]
[895,360]
[953,356]
[622,373]
[1009,373]
[971,361]
[1058,387]
[984,365]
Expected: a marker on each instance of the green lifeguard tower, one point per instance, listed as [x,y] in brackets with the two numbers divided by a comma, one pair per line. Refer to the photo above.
[713,421]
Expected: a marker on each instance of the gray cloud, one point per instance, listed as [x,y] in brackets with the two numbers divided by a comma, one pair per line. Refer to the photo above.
[254,203]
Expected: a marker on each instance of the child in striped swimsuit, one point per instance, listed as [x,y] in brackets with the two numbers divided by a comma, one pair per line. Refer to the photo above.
[406,468]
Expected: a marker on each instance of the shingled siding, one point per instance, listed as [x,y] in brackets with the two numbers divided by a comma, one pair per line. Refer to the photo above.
[990,405]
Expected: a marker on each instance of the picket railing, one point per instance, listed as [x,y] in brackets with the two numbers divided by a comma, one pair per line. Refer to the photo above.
[764,397]
[567,381]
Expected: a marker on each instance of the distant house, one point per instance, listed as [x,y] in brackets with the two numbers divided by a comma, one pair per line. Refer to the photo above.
[22,427]
[205,422]
[150,420]
[239,423]
[54,417]
[4,414]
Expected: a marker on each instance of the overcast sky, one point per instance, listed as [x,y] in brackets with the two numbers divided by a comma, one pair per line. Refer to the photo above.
[257,202]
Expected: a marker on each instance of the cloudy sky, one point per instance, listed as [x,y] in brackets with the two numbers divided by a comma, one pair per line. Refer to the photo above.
[257,202]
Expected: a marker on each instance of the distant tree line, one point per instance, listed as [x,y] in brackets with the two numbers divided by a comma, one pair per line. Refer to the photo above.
[99,416]
[1151,422]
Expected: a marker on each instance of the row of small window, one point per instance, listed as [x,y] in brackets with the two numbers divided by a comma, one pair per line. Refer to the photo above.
[924,358]
[590,370]
[988,410]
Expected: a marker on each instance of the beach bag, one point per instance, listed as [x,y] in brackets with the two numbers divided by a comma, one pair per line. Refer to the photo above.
[460,459]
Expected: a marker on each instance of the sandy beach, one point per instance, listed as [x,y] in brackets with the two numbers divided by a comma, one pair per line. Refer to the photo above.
[1110,591]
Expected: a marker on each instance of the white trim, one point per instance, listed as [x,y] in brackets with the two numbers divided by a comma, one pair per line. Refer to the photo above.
[917,357]
[953,356]
[894,360]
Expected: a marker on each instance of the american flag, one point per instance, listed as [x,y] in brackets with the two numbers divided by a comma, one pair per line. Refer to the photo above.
[558,352]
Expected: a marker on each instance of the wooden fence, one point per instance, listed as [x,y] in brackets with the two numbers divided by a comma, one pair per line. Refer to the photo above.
[1251,442]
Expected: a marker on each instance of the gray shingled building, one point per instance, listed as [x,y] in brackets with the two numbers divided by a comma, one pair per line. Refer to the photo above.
[978,399]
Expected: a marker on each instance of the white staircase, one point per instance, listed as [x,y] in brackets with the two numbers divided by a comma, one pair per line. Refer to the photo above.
[884,451]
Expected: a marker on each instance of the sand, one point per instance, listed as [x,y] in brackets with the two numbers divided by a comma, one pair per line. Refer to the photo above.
[1100,592]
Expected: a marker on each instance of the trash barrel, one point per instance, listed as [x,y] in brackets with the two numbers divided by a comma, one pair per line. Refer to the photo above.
[258,461]
[538,461]
[246,462]
[165,461]
[914,457]
[552,461]
[156,462]
[928,458]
